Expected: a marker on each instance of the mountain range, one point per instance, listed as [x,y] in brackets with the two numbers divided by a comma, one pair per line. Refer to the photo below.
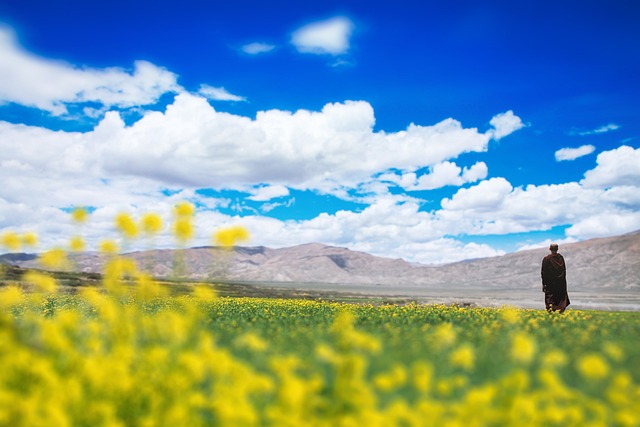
[609,264]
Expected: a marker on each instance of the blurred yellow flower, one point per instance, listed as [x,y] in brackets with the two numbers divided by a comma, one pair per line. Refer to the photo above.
[184,209]
[108,247]
[444,335]
[510,315]
[593,367]
[11,240]
[251,341]
[11,296]
[523,348]
[463,357]
[151,223]
[422,376]
[42,282]
[79,215]
[183,229]
[613,351]
[554,358]
[229,236]
[77,244]
[30,239]
[54,259]
[204,293]
[126,225]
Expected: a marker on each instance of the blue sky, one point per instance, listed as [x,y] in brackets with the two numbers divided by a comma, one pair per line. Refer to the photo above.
[431,131]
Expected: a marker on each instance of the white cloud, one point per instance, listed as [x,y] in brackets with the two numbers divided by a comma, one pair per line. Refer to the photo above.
[615,168]
[268,207]
[602,129]
[257,48]
[266,193]
[605,224]
[505,124]
[330,36]
[486,196]
[574,153]
[193,145]
[47,84]
[218,94]
[116,167]
[441,175]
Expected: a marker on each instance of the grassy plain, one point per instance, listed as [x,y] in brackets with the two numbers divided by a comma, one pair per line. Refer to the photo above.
[133,355]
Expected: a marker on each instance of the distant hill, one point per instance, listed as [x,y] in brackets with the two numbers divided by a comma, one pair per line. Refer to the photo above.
[607,264]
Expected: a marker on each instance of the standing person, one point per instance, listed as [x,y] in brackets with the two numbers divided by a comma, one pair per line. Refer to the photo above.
[554,280]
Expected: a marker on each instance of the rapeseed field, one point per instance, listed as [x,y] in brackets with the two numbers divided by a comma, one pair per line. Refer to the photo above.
[128,354]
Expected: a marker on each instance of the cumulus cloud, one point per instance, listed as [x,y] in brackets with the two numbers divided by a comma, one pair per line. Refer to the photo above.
[494,206]
[218,94]
[47,84]
[605,224]
[257,48]
[439,175]
[330,36]
[193,145]
[574,153]
[486,196]
[118,167]
[505,124]
[266,193]
[615,168]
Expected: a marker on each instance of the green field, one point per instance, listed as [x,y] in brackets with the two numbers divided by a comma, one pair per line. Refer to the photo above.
[136,356]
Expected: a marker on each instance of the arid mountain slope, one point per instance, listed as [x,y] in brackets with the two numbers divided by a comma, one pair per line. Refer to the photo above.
[610,264]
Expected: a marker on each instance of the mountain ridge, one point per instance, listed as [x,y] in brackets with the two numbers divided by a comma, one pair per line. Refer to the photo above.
[611,263]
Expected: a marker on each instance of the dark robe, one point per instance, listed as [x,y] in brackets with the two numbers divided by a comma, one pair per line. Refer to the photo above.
[554,282]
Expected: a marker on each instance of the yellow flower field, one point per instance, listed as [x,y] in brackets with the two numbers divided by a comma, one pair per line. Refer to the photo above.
[129,354]
[129,358]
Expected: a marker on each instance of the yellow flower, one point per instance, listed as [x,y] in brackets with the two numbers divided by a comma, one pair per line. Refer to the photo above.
[183,209]
[204,293]
[463,357]
[108,247]
[42,282]
[523,348]
[422,376]
[393,379]
[11,296]
[554,358]
[228,237]
[510,315]
[251,341]
[77,244]
[30,239]
[593,367]
[54,259]
[79,215]
[613,351]
[183,229]
[146,288]
[11,241]
[151,223]
[126,225]
[444,334]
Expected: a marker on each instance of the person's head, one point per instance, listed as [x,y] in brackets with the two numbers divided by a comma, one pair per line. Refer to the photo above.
[553,247]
